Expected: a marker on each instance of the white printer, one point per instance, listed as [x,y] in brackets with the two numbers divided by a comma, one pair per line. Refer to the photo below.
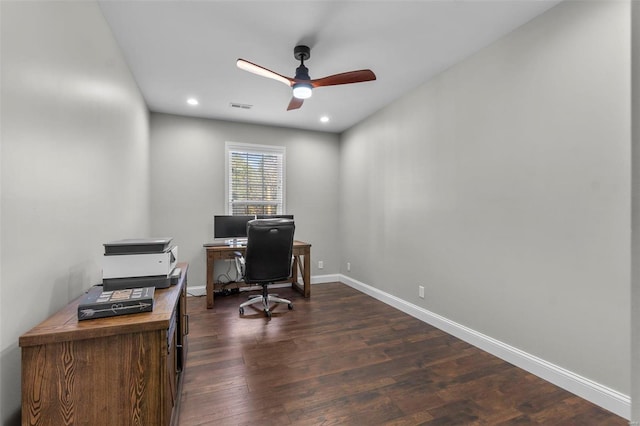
[143,262]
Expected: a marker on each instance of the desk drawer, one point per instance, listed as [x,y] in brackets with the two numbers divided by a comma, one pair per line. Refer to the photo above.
[224,255]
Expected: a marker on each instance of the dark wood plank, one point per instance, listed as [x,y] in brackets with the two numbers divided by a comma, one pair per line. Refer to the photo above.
[344,358]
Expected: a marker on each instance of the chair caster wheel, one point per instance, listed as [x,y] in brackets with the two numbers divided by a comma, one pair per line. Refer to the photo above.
[241,311]
[267,313]
[290,305]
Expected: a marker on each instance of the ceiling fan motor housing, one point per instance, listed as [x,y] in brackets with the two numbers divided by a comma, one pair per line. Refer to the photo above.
[302,53]
[302,90]
[302,73]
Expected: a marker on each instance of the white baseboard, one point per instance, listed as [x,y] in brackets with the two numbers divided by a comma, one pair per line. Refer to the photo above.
[201,290]
[596,393]
[322,279]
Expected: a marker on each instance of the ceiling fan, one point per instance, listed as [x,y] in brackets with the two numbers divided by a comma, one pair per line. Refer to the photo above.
[302,84]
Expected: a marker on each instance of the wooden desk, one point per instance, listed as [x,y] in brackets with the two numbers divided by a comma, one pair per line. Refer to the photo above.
[117,370]
[303,266]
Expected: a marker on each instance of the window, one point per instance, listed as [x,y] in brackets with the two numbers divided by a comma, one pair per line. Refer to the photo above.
[255,179]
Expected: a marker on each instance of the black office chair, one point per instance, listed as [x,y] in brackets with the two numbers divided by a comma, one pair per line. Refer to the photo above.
[267,258]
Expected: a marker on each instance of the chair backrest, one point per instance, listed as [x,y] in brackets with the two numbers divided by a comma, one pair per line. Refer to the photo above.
[269,249]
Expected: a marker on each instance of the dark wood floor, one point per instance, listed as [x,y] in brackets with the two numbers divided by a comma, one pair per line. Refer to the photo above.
[344,358]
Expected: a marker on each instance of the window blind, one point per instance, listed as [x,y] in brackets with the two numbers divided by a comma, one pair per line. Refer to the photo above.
[255,180]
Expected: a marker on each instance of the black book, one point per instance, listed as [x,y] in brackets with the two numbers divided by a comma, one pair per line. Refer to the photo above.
[98,303]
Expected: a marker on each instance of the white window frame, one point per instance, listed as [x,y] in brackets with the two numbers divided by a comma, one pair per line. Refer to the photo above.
[254,149]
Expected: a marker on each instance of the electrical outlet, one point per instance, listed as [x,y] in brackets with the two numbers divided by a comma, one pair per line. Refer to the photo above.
[320,264]
[348,266]
[421,291]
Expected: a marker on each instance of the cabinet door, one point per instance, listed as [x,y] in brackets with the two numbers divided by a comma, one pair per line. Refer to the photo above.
[171,368]
[183,326]
[105,381]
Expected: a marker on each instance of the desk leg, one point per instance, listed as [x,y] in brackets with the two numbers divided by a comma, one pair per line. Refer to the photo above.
[294,271]
[302,264]
[306,274]
[296,268]
[210,272]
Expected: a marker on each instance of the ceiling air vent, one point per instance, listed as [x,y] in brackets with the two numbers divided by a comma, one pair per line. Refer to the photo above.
[241,106]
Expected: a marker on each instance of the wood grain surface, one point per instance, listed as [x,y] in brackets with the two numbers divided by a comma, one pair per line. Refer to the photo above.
[344,358]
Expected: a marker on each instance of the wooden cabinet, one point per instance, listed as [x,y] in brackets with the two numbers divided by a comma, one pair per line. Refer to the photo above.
[123,370]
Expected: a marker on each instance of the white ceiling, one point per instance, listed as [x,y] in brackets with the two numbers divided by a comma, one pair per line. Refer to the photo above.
[181,49]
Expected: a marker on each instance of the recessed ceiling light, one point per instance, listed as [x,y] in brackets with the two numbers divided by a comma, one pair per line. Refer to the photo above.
[324,119]
[192,101]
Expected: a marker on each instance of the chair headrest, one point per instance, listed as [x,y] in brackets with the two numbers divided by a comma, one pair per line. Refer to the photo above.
[270,222]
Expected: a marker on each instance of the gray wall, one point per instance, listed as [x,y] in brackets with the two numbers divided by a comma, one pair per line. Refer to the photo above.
[74,167]
[503,187]
[188,177]
[635,215]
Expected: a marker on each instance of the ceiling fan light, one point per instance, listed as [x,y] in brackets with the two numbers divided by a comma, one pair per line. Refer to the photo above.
[302,90]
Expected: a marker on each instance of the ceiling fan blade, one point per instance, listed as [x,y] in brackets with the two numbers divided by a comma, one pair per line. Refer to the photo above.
[295,103]
[344,78]
[262,71]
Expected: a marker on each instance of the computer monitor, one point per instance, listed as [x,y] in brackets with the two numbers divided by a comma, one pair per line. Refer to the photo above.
[274,216]
[231,227]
